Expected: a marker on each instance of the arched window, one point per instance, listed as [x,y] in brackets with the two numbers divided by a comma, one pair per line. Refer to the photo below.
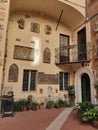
[46,55]
[13,73]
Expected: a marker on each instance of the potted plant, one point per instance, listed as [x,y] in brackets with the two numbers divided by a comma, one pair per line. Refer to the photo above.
[95,116]
[50,104]
[34,105]
[23,104]
[41,105]
[83,109]
[71,93]
[57,104]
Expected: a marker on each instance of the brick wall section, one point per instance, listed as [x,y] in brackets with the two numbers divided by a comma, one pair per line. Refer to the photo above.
[92,8]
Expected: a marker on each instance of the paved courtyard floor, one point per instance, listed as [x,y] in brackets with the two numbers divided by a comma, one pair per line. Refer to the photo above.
[42,119]
[73,123]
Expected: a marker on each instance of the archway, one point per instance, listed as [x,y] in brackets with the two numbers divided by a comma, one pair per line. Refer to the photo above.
[85,88]
[87,73]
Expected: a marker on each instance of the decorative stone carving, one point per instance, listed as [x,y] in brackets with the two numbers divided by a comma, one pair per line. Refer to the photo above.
[50,91]
[48,29]
[35,27]
[21,23]
[56,90]
[23,53]
[41,91]
[46,55]
[47,41]
[13,73]
[18,39]
[51,79]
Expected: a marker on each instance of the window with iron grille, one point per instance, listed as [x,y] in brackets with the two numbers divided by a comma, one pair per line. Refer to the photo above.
[64,81]
[29,80]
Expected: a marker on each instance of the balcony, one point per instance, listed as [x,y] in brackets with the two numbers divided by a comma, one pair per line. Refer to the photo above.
[73,54]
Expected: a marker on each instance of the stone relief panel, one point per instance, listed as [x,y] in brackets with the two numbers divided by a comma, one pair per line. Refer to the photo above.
[35,27]
[41,91]
[13,73]
[23,53]
[48,29]
[21,23]
[52,79]
[50,91]
[46,55]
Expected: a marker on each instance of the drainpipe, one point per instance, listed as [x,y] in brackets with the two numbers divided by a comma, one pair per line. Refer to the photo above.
[4,42]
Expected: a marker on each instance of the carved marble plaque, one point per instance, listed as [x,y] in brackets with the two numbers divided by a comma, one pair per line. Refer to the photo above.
[21,23]
[46,55]
[35,27]
[13,73]
[48,29]
[23,53]
[48,78]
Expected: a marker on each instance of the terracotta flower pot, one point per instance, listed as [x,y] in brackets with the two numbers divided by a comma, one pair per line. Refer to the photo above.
[34,108]
[41,106]
[95,123]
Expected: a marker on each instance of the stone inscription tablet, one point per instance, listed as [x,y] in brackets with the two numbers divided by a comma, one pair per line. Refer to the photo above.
[23,53]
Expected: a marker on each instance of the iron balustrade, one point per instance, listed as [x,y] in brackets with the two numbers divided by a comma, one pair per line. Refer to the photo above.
[73,53]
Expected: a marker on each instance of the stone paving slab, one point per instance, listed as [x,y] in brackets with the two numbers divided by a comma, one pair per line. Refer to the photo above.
[59,121]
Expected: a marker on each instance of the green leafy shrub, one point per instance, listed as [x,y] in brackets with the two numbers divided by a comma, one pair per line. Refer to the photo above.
[16,106]
[84,106]
[60,103]
[57,105]
[50,104]
[34,105]
[21,104]
[85,111]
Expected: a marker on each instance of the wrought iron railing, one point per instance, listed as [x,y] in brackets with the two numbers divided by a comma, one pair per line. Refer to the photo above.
[73,53]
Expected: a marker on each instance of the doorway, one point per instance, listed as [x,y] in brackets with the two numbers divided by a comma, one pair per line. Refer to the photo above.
[64,51]
[85,87]
[82,52]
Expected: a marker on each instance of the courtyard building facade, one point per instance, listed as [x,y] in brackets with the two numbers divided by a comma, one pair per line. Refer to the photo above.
[48,46]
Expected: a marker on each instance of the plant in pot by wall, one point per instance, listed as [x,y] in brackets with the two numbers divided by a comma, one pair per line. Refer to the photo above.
[23,104]
[34,105]
[95,117]
[71,93]
[88,113]
[50,104]
[84,110]
[41,105]
[59,103]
